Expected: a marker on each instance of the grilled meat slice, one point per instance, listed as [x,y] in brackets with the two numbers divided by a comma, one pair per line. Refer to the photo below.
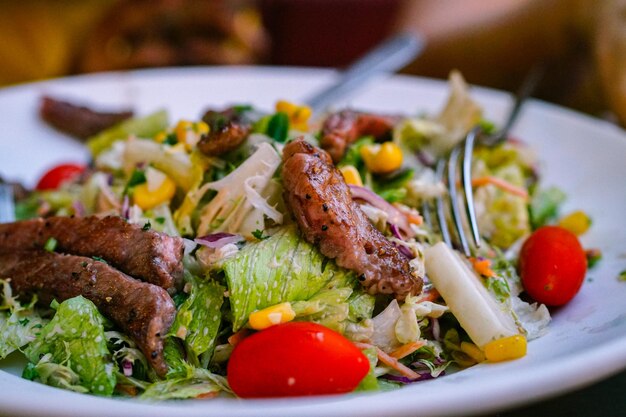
[322,205]
[151,256]
[78,121]
[228,129]
[343,128]
[143,311]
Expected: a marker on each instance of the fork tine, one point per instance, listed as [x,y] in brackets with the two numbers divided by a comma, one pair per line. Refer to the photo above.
[454,199]
[466,177]
[440,205]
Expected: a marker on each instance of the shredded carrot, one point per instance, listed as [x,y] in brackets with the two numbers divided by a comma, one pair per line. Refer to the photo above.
[406,349]
[238,336]
[430,295]
[395,364]
[411,215]
[483,267]
[390,361]
[500,183]
[206,395]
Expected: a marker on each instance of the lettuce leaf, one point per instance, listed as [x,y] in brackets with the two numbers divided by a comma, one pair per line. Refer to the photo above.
[75,338]
[145,127]
[287,268]
[198,318]
[19,325]
[195,383]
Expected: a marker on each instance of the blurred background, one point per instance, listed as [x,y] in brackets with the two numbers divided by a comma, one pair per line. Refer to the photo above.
[493,42]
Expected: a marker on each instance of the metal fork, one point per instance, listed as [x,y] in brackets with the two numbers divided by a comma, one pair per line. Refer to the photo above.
[446,171]
[7,205]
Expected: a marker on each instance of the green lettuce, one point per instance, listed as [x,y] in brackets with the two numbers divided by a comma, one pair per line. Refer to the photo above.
[544,206]
[19,325]
[198,318]
[287,268]
[196,382]
[145,127]
[369,382]
[75,339]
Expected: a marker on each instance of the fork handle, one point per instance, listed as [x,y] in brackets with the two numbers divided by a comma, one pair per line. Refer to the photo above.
[389,57]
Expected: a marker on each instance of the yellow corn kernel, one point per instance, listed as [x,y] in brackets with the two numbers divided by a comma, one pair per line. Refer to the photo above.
[577,222]
[276,314]
[201,128]
[160,137]
[286,107]
[147,199]
[298,115]
[351,175]
[181,130]
[507,348]
[473,351]
[382,159]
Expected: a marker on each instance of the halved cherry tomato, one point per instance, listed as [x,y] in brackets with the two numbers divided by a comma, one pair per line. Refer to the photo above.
[295,359]
[552,265]
[56,176]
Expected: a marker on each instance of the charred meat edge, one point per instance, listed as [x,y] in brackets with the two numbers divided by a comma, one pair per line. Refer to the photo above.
[141,310]
[321,203]
[76,120]
[145,254]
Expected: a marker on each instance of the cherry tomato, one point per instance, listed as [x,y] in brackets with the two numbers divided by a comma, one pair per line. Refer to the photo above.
[295,359]
[552,265]
[56,176]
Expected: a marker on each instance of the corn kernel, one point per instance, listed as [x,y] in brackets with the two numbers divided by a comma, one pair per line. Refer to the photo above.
[298,115]
[473,351]
[351,175]
[147,199]
[201,128]
[507,348]
[577,222]
[382,159]
[276,314]
[181,130]
[160,137]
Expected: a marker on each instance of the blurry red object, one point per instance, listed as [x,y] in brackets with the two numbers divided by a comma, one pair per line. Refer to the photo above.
[330,33]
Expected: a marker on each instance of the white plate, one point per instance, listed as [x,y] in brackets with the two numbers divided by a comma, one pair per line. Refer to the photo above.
[583,156]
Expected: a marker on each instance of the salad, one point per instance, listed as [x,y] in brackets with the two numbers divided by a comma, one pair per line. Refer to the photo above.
[267,254]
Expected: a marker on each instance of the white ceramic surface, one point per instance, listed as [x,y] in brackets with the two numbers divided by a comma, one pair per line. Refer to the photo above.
[582,155]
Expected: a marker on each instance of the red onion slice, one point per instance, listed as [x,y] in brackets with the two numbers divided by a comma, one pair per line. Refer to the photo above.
[217,240]
[395,216]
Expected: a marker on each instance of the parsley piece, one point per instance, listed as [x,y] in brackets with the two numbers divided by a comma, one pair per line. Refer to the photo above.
[50,245]
[160,220]
[258,234]
[170,139]
[146,226]
[99,259]
[137,177]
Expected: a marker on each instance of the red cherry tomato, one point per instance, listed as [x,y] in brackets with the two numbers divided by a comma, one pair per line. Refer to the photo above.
[552,265]
[54,177]
[295,359]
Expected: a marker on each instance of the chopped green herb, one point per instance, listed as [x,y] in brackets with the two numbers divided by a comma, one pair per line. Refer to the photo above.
[99,259]
[160,220]
[622,276]
[146,226]
[24,321]
[136,178]
[170,139]
[487,126]
[278,127]
[258,234]
[30,372]
[50,245]
[84,264]
[593,257]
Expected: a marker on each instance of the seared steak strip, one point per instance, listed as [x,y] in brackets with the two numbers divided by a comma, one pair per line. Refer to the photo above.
[151,256]
[78,121]
[343,128]
[141,310]
[323,208]
[227,130]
